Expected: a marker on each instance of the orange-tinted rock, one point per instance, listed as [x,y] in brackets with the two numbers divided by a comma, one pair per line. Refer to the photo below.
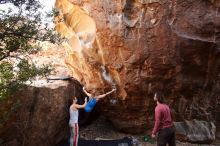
[142,46]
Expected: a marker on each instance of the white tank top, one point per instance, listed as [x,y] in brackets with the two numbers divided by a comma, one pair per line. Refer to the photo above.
[73,116]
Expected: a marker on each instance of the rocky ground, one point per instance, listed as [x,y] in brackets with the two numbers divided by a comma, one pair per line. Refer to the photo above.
[101,129]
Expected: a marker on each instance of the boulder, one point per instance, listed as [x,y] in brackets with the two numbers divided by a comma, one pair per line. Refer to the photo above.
[145,46]
[41,117]
[195,131]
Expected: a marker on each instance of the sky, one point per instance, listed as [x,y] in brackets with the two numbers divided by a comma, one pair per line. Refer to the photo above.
[47,4]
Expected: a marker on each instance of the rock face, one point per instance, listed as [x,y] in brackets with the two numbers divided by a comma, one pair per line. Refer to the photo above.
[42,115]
[139,47]
[142,46]
[195,131]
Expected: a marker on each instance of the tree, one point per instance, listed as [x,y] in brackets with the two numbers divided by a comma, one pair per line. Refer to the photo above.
[19,33]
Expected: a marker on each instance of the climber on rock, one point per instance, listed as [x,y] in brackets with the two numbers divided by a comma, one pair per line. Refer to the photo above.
[93,99]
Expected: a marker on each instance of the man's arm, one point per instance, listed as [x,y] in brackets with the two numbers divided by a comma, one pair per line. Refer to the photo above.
[103,95]
[157,122]
[87,93]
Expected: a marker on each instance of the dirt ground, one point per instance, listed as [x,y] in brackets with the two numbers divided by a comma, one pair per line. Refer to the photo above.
[102,129]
